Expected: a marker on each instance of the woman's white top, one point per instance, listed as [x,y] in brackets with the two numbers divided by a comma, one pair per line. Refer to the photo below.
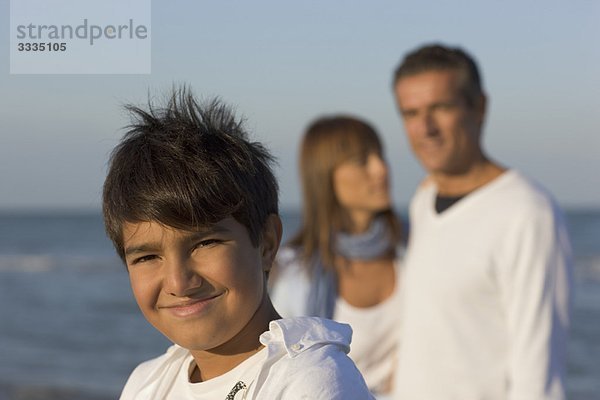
[374,339]
[375,329]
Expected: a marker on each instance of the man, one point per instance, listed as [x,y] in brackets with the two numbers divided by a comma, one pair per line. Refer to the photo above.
[488,268]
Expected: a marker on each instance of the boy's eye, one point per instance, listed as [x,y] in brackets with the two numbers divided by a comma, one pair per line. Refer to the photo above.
[143,259]
[207,243]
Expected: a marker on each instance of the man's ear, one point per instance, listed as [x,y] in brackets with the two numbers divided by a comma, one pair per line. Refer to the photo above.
[271,238]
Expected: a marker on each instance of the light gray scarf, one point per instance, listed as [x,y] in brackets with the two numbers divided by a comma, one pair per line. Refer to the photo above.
[366,246]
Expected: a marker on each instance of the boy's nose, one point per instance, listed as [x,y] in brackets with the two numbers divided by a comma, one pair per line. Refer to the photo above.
[180,278]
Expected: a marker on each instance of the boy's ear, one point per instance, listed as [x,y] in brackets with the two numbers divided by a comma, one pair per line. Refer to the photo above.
[271,239]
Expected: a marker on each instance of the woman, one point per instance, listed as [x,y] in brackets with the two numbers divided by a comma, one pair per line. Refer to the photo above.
[343,262]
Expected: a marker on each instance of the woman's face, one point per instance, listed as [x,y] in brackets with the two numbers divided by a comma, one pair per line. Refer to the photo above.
[361,185]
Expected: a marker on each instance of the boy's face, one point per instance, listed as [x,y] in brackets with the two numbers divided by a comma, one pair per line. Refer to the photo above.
[200,289]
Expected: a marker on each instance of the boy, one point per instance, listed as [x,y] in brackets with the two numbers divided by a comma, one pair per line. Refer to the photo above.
[191,207]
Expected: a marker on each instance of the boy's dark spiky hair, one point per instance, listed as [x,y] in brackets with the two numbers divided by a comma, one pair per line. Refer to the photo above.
[186,166]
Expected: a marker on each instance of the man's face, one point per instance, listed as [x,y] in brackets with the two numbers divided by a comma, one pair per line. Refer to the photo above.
[442,128]
[200,289]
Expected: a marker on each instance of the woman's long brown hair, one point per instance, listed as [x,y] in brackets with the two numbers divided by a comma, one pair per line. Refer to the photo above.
[328,142]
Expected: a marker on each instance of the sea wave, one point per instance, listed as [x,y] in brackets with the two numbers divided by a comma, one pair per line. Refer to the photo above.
[590,268]
[39,263]
[24,392]
[26,263]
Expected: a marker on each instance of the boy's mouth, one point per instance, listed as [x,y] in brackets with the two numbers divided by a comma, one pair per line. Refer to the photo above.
[190,307]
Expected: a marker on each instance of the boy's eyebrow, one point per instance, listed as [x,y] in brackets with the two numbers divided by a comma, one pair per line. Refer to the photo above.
[194,235]
[143,248]
[203,232]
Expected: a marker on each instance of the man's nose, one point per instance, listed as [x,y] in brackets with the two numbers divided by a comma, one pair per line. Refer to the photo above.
[429,124]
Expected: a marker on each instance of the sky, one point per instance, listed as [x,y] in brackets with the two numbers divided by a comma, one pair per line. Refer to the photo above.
[281,64]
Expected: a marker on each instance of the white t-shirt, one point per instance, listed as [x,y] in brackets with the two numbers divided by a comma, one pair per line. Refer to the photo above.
[304,358]
[233,383]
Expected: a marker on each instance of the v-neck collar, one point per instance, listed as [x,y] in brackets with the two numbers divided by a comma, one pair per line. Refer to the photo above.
[467,199]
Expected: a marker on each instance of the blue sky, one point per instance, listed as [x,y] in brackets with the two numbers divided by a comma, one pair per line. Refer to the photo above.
[281,64]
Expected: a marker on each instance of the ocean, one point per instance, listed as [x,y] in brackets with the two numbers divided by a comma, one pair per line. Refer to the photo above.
[70,328]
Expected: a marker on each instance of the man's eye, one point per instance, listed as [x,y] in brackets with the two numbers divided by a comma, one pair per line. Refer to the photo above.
[444,106]
[409,114]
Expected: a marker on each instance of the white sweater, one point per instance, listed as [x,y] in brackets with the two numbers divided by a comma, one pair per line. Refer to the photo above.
[486,295]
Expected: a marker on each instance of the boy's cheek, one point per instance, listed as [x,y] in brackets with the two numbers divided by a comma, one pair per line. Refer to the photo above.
[143,292]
